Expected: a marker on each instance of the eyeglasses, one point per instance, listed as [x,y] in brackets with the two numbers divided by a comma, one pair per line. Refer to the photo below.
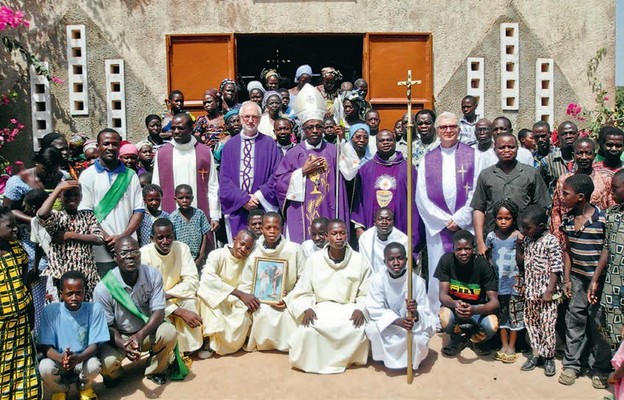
[252,117]
[126,253]
[310,128]
[447,127]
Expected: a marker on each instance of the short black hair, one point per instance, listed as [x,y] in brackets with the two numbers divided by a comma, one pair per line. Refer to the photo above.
[107,130]
[174,92]
[187,118]
[323,221]
[582,140]
[336,221]
[523,133]
[152,187]
[394,245]
[542,124]
[249,233]
[535,214]
[507,204]
[72,274]
[504,135]
[35,198]
[471,97]
[581,184]
[503,118]
[273,214]
[463,234]
[426,111]
[4,211]
[256,212]
[608,130]
[182,187]
[49,157]
[618,175]
[160,223]
[380,209]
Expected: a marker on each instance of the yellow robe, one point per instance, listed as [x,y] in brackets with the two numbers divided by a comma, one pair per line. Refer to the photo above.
[180,280]
[225,317]
[333,290]
[271,328]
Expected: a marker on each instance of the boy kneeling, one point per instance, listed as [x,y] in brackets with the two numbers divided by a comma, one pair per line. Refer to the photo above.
[70,333]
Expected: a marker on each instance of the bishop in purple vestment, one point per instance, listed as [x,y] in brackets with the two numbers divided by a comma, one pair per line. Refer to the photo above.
[384,184]
[305,183]
[248,163]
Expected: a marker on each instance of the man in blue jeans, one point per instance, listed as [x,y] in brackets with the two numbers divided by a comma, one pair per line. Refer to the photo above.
[468,295]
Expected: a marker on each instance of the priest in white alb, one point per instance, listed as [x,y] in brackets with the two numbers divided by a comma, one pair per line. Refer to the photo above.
[446,180]
[273,324]
[387,306]
[329,303]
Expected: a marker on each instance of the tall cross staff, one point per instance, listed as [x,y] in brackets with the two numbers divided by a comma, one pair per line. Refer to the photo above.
[410,194]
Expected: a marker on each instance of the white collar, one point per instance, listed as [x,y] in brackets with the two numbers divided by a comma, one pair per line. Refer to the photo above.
[184,146]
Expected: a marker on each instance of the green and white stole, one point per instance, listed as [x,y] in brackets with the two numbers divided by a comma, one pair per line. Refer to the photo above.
[113,195]
[179,371]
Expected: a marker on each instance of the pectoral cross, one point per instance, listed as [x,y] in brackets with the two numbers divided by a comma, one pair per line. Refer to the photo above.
[468,188]
[203,173]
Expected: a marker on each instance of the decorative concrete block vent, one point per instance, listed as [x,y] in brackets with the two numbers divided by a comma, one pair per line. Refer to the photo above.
[115,96]
[544,90]
[40,106]
[510,75]
[77,69]
[475,85]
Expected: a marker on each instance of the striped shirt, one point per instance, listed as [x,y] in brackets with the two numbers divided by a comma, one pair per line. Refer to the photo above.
[585,245]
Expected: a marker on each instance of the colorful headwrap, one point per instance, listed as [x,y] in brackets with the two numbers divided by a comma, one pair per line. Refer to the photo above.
[356,127]
[215,94]
[356,98]
[230,114]
[303,69]
[89,144]
[255,85]
[128,148]
[227,81]
[331,71]
[77,141]
[269,73]
[144,143]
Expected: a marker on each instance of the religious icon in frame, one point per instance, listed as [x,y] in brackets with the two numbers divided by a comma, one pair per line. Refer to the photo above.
[268,280]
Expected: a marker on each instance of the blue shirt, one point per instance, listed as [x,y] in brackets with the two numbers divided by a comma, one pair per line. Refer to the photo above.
[62,328]
[504,260]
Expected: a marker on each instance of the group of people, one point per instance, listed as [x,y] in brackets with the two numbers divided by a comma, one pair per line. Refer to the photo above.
[110,249]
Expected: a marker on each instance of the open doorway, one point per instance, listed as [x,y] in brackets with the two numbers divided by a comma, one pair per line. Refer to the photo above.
[286,52]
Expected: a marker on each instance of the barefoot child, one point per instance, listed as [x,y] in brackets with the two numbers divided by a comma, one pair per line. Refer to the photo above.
[19,371]
[70,334]
[387,306]
[502,245]
[152,196]
[584,234]
[74,233]
[543,264]
[191,225]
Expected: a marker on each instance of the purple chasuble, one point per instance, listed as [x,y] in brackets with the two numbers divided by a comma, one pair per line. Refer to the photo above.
[320,191]
[267,157]
[464,174]
[384,184]
[165,172]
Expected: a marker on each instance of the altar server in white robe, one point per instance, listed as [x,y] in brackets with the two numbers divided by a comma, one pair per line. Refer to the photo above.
[175,263]
[225,320]
[329,302]
[447,177]
[387,306]
[273,324]
[374,240]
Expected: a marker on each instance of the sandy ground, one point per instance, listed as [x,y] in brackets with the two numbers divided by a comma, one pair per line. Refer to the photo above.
[268,375]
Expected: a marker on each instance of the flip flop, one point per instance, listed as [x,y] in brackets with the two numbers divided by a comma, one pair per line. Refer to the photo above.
[500,356]
[510,358]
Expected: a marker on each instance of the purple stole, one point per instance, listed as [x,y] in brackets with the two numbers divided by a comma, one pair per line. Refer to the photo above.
[464,164]
[165,171]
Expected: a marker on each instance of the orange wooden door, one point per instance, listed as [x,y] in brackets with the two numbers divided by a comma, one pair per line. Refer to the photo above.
[197,63]
[387,58]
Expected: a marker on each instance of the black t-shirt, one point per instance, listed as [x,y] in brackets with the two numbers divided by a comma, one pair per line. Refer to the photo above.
[470,282]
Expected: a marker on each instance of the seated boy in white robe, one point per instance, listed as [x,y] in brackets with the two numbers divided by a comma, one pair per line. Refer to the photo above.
[175,263]
[318,233]
[225,321]
[387,307]
[329,304]
[273,325]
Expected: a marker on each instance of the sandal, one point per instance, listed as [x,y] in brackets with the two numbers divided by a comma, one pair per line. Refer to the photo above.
[510,358]
[599,382]
[500,356]
[568,377]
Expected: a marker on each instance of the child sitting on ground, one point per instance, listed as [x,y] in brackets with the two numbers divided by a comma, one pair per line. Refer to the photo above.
[502,254]
[541,260]
[152,196]
[191,225]
[70,334]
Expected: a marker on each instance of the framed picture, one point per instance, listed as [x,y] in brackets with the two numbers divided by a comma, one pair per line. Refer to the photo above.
[268,282]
